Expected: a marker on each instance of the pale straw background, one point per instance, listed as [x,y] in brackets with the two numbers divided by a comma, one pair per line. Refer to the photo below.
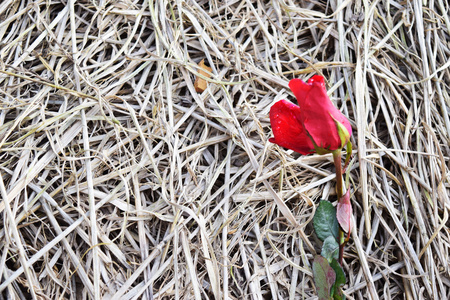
[119,181]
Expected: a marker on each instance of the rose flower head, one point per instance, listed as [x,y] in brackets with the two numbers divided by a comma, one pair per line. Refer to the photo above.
[316,125]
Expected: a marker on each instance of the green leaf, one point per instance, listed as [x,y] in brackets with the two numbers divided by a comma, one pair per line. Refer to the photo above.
[330,248]
[339,282]
[325,222]
[324,277]
[340,275]
[339,296]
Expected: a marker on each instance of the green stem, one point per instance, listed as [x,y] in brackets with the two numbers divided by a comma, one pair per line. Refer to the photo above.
[341,246]
[340,193]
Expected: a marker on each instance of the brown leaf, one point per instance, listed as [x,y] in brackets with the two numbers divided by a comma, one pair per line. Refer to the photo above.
[200,83]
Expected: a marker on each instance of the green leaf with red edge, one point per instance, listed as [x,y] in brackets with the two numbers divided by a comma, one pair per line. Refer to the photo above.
[339,282]
[344,212]
[324,277]
[325,222]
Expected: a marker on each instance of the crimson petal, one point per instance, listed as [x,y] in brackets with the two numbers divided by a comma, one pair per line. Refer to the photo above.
[318,112]
[287,130]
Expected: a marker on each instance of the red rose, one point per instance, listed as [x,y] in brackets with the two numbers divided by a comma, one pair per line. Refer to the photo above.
[314,124]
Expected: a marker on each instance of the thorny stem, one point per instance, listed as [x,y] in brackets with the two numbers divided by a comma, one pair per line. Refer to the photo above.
[340,192]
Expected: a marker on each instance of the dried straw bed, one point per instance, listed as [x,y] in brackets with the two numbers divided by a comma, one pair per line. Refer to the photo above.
[119,181]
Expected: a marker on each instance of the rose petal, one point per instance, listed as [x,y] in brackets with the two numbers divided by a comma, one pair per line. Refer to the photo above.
[287,130]
[317,112]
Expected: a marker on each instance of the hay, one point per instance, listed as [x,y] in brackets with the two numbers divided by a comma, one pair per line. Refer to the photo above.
[118,180]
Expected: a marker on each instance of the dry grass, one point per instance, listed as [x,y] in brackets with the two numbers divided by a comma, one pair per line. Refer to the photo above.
[119,181]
